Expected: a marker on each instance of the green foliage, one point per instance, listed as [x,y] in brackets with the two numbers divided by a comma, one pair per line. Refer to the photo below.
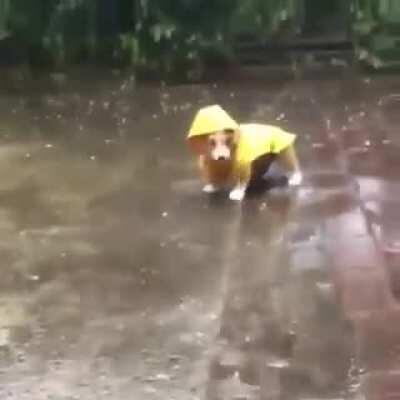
[264,18]
[29,19]
[4,14]
[166,35]
[172,37]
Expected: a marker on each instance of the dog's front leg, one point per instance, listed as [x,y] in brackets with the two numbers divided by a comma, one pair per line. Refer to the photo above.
[295,179]
[205,170]
[239,191]
[289,159]
[209,188]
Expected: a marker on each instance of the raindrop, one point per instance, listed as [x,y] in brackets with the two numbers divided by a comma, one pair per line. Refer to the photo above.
[200,335]
[4,337]
[368,143]
[164,214]
[163,377]
[328,124]
[21,358]
[393,247]
[263,206]
[213,317]
[48,146]
[150,390]
[278,363]
[92,158]
[280,117]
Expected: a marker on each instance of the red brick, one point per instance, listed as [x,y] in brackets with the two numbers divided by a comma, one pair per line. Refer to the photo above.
[348,252]
[361,290]
[384,385]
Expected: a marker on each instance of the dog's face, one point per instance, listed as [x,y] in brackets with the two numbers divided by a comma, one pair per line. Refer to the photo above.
[222,145]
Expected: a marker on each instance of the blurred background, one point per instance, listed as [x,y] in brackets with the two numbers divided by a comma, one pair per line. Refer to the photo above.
[180,38]
[120,280]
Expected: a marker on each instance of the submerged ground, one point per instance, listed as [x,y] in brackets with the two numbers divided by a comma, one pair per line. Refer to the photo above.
[121,280]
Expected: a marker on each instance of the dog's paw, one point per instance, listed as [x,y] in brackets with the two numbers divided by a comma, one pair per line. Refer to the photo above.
[296,179]
[210,188]
[237,194]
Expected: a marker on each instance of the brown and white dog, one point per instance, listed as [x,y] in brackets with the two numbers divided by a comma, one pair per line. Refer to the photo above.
[238,156]
[217,165]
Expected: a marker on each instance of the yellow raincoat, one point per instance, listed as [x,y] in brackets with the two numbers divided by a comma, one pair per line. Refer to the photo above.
[255,140]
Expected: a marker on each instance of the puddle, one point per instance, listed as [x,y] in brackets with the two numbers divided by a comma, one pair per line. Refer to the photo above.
[106,235]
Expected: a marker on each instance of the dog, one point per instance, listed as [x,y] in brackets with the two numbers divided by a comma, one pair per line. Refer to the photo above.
[238,156]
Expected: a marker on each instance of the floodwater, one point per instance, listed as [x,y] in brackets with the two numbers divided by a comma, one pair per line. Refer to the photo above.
[121,280]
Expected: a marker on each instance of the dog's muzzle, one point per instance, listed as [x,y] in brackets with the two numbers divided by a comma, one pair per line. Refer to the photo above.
[221,155]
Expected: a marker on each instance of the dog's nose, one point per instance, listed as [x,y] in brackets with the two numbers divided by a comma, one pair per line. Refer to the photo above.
[221,158]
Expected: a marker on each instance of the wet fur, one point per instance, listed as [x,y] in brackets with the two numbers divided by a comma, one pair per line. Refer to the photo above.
[220,172]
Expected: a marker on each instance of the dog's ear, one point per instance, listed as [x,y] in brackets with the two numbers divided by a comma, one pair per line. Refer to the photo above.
[236,136]
[198,144]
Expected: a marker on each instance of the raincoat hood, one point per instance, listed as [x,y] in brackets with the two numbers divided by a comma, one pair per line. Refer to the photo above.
[255,140]
[211,119]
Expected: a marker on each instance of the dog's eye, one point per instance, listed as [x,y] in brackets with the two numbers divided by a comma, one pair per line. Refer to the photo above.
[229,141]
[212,142]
